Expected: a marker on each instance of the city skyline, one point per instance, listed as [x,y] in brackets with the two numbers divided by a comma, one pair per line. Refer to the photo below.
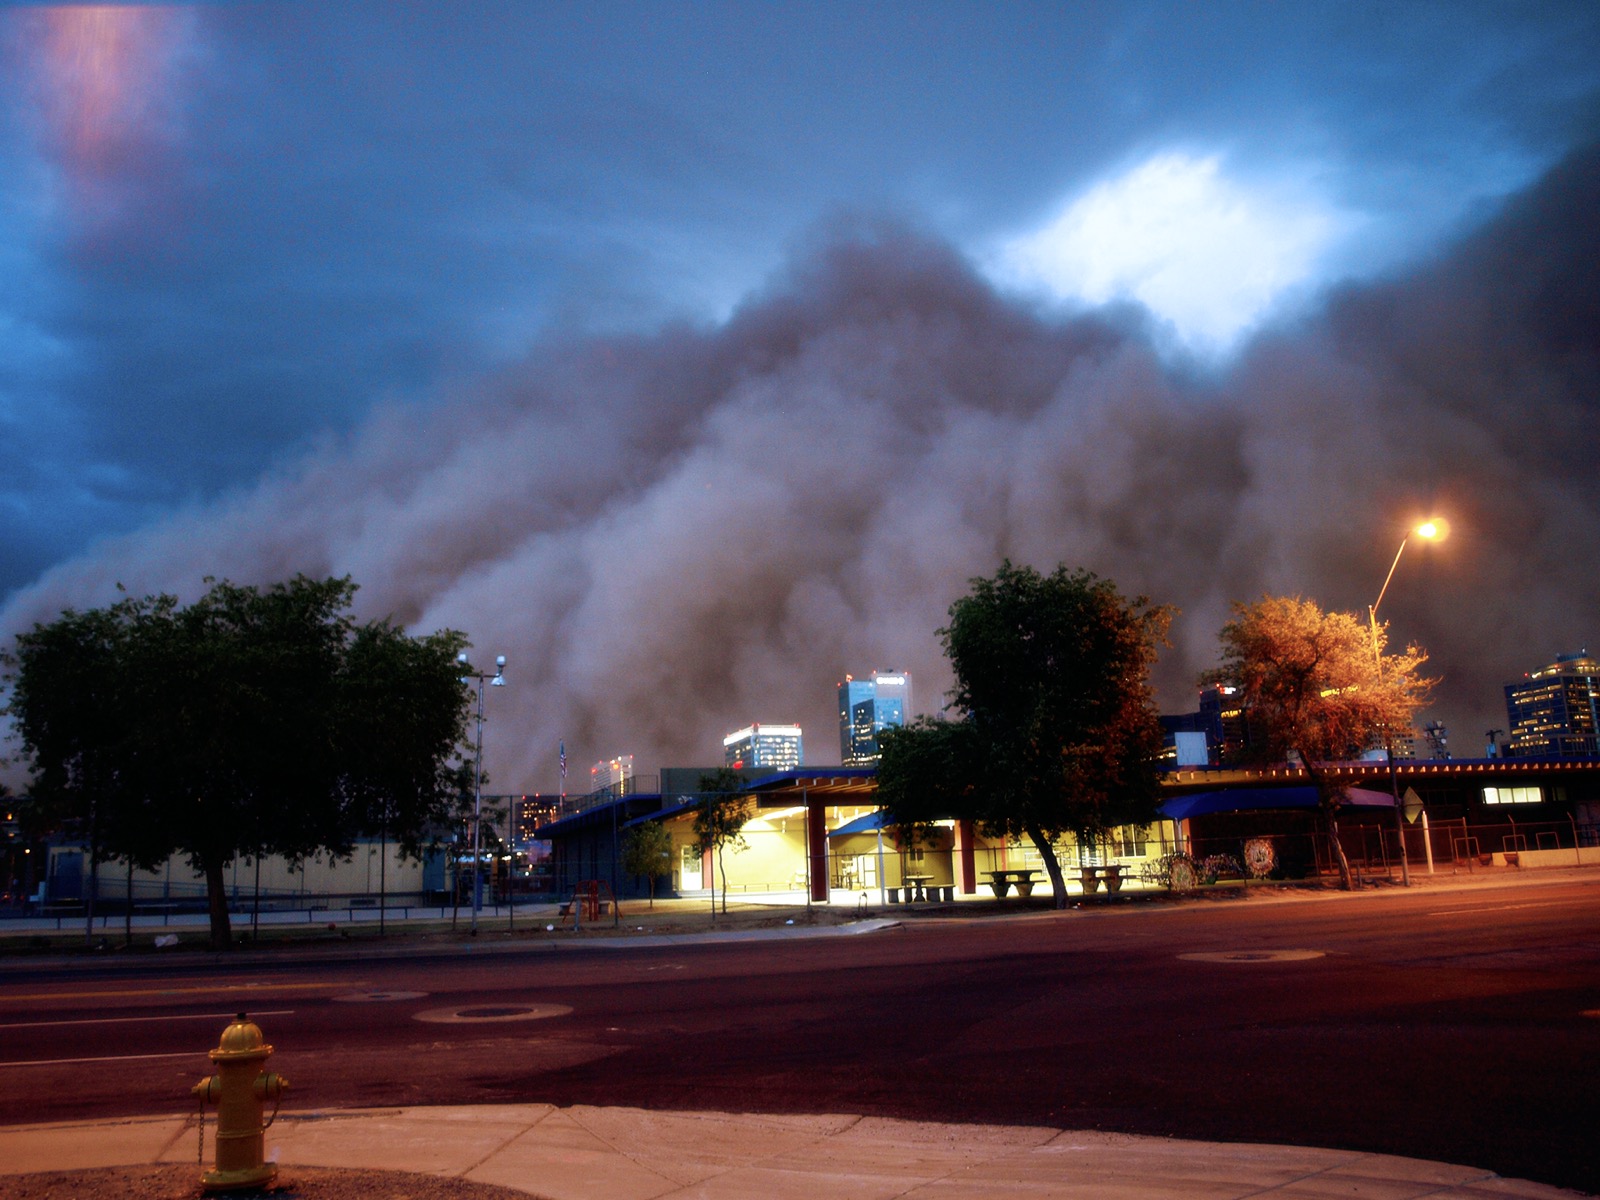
[683,353]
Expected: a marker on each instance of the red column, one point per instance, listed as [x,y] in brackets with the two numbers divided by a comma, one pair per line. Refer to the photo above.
[966,859]
[817,846]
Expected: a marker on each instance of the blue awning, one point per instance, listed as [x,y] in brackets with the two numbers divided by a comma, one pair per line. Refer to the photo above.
[1198,804]
[870,823]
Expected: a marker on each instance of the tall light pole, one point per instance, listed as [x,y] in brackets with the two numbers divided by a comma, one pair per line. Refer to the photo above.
[1431,531]
[497,680]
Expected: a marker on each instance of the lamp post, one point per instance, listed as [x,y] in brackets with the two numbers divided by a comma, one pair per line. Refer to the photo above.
[496,680]
[1431,531]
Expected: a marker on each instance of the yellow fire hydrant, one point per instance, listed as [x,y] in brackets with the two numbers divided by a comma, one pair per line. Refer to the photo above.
[240,1089]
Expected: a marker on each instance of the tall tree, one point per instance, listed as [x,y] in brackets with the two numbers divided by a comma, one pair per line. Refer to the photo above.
[719,820]
[1056,731]
[254,721]
[1318,686]
[647,851]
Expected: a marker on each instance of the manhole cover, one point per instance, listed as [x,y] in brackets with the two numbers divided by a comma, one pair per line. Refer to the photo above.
[496,1012]
[369,997]
[1252,956]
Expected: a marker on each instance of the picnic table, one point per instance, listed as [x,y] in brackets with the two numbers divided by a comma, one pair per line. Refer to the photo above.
[1003,881]
[1093,876]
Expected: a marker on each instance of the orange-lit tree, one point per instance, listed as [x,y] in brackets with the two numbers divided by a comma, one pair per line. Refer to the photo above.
[1317,686]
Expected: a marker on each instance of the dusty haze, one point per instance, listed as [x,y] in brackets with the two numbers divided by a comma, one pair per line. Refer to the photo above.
[671,536]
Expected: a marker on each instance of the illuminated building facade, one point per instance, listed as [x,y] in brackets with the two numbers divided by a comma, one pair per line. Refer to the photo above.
[1553,712]
[770,747]
[614,774]
[1219,734]
[867,706]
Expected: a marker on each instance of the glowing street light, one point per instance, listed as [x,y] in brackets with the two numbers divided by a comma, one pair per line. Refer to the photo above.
[1431,530]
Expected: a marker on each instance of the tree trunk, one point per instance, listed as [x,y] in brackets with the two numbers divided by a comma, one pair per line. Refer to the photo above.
[1346,880]
[1331,797]
[217,902]
[1052,868]
[723,871]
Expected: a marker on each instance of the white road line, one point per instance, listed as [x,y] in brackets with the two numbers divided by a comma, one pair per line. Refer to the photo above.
[1489,908]
[227,1016]
[67,1062]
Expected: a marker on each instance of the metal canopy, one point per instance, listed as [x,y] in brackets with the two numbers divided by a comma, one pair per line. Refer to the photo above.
[1198,804]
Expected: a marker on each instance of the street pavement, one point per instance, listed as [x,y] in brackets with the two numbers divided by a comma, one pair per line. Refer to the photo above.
[616,1153]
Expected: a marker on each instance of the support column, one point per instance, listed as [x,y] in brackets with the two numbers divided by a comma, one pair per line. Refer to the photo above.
[966,859]
[817,846]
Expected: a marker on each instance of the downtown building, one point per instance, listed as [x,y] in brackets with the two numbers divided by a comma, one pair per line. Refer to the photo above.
[769,747]
[613,774]
[1553,711]
[867,707]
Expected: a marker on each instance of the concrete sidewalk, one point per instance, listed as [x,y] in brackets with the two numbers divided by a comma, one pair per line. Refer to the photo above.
[631,1154]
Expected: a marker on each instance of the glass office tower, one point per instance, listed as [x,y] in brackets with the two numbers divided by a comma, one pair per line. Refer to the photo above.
[867,706]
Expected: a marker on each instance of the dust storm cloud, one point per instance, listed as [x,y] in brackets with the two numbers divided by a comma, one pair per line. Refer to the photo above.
[670,536]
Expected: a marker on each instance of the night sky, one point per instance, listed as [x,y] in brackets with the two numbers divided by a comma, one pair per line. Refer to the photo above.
[692,355]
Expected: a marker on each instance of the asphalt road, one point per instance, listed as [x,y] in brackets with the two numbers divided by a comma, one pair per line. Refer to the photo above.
[1454,1025]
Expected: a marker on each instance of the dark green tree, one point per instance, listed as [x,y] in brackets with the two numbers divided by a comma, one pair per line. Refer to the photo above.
[1056,729]
[928,771]
[254,721]
[719,820]
[647,851]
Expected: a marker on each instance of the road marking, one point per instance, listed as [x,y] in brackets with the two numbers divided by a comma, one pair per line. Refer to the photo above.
[1488,908]
[481,1013]
[67,1062]
[227,1016]
[185,991]
[1252,956]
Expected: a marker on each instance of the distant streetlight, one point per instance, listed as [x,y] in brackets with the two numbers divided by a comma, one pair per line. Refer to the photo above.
[1431,530]
[496,680]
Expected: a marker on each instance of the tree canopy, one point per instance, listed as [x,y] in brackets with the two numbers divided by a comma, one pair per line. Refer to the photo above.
[1319,686]
[719,820]
[1056,729]
[647,851]
[253,721]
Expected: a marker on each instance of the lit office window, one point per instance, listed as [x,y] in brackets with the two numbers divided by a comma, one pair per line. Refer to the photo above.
[1512,795]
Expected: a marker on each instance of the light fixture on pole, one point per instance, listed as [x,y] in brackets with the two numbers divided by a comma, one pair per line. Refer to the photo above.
[497,680]
[1431,530]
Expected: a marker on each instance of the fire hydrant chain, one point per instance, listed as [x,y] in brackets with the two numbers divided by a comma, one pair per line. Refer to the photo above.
[239,1089]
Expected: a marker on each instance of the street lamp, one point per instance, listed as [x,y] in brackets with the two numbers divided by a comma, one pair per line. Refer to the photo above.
[497,680]
[1430,530]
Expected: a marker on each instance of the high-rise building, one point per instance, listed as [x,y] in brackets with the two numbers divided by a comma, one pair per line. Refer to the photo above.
[1553,711]
[613,773]
[1228,725]
[773,747]
[866,707]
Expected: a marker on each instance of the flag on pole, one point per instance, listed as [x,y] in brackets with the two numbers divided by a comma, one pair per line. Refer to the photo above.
[563,768]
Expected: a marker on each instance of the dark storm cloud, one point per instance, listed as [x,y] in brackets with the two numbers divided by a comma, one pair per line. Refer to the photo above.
[672,535]
[227,231]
